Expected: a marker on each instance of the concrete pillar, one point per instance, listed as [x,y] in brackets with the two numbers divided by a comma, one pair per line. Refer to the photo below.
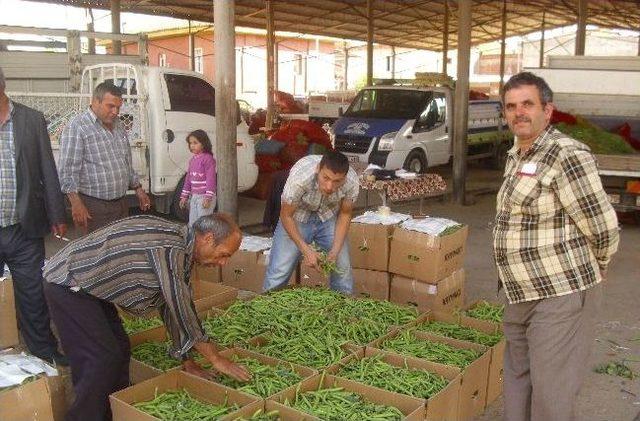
[346,68]
[639,43]
[116,46]
[369,42]
[503,42]
[75,60]
[91,28]
[192,49]
[581,32]
[270,65]
[445,38]
[544,15]
[225,83]
[276,64]
[143,49]
[461,102]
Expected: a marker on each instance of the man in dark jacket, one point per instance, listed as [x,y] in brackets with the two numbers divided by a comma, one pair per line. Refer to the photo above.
[32,205]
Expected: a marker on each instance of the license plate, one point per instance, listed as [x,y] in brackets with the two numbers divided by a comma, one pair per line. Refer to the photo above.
[353,159]
[614,199]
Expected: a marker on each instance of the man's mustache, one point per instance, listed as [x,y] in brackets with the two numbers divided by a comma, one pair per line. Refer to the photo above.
[522,120]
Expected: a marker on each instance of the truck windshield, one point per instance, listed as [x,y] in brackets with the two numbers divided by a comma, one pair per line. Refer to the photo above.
[388,103]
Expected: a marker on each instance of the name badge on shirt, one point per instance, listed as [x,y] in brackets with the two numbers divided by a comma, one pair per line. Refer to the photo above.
[528,169]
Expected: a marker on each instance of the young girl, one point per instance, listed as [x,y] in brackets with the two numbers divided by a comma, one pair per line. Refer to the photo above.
[200,181]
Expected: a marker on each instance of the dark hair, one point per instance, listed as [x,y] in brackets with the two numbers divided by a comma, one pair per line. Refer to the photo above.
[104,88]
[528,78]
[202,137]
[335,161]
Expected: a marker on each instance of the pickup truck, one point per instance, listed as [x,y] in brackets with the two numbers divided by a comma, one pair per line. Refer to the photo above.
[161,106]
[409,126]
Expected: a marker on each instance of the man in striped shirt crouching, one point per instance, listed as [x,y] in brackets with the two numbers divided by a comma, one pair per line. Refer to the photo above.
[139,263]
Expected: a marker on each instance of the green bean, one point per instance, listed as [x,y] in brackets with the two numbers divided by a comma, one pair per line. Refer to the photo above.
[327,267]
[450,230]
[409,381]
[336,404]
[406,343]
[260,415]
[155,354]
[139,324]
[463,333]
[179,405]
[487,311]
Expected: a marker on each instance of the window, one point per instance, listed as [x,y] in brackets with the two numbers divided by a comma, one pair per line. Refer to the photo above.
[297,64]
[198,60]
[434,114]
[162,60]
[190,94]
[388,103]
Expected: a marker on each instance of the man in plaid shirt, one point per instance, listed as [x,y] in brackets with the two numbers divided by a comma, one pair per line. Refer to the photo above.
[554,236]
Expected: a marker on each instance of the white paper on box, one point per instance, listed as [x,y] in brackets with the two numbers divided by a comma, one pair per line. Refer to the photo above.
[429,225]
[375,218]
[255,243]
[15,368]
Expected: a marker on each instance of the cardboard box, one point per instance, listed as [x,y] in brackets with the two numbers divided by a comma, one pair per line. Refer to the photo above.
[441,406]
[426,258]
[310,277]
[8,323]
[369,246]
[206,273]
[371,284]
[208,294]
[412,408]
[473,389]
[56,385]
[285,413]
[123,410]
[139,371]
[30,401]
[447,295]
[246,270]
[303,372]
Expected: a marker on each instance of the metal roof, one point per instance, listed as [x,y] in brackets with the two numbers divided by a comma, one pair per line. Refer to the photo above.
[401,23]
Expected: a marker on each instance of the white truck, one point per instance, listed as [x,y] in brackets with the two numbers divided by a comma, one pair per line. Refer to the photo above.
[161,106]
[606,91]
[408,125]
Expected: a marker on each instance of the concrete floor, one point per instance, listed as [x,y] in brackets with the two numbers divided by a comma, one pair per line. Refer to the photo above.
[603,397]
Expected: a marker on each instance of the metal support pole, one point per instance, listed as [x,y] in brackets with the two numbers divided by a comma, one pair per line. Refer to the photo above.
[346,68]
[461,103]
[445,38]
[270,65]
[544,16]
[143,49]
[75,60]
[276,64]
[91,28]
[581,33]
[393,62]
[116,46]
[192,49]
[503,43]
[225,83]
[369,42]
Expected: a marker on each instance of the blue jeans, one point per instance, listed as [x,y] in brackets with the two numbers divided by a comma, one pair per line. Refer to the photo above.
[285,254]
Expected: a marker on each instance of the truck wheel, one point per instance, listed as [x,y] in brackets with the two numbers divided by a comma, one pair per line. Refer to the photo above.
[499,160]
[416,162]
[176,211]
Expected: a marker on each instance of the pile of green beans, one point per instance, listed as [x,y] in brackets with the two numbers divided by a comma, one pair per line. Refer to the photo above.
[179,405]
[266,380]
[260,415]
[406,343]
[155,354]
[463,333]
[338,404]
[409,381]
[312,349]
[139,324]
[487,311]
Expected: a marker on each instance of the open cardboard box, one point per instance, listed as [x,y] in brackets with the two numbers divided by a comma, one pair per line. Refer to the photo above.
[366,283]
[208,294]
[139,371]
[369,246]
[303,372]
[285,413]
[29,401]
[441,406]
[412,408]
[246,270]
[427,258]
[496,369]
[8,323]
[446,295]
[474,376]
[122,401]
[206,273]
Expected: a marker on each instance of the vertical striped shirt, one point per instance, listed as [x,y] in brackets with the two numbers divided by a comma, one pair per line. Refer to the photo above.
[555,230]
[138,263]
[302,190]
[94,160]
[8,182]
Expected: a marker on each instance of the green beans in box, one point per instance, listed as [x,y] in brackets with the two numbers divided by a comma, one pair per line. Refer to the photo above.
[463,333]
[179,405]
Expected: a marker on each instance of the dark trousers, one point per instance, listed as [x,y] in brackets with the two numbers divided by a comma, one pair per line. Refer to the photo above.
[25,258]
[92,337]
[104,212]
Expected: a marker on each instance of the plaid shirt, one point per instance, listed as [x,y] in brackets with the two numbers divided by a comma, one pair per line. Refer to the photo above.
[8,182]
[555,230]
[94,160]
[139,263]
[302,190]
